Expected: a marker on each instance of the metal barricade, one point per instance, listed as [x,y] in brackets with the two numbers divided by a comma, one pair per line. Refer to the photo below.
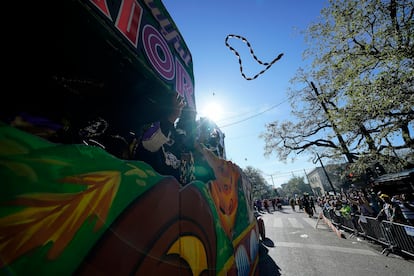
[395,237]
[372,228]
[400,238]
[349,223]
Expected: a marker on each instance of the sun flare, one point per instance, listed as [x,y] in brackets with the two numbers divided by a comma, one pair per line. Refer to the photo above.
[213,111]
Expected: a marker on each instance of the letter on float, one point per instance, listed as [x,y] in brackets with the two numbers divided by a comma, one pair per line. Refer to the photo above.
[129,20]
[102,5]
[158,52]
[184,84]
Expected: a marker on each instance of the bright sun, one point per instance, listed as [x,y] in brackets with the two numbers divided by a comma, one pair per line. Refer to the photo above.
[213,111]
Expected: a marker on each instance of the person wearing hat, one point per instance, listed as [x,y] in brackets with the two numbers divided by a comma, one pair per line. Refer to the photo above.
[390,210]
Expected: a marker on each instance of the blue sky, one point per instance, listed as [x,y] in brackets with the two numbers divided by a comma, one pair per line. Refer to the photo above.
[243,107]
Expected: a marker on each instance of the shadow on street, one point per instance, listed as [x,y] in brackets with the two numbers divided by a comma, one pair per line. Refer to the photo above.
[267,266]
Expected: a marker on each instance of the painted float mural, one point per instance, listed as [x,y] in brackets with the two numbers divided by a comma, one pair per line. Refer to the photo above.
[77,198]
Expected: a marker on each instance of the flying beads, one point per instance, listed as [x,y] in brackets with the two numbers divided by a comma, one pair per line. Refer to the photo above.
[268,65]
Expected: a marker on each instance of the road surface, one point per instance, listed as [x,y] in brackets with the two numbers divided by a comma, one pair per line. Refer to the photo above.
[298,245]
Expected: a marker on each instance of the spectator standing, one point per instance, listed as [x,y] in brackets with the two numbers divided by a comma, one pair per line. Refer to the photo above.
[299,202]
[312,204]
[266,205]
[364,206]
[279,203]
[364,210]
[374,202]
[391,210]
[292,203]
[326,205]
[274,204]
[259,205]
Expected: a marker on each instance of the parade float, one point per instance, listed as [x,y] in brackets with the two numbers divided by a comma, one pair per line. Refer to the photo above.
[73,201]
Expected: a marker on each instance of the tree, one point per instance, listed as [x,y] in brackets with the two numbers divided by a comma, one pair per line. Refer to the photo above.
[260,188]
[296,186]
[357,98]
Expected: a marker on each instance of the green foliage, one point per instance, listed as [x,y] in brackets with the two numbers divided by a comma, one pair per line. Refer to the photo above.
[260,188]
[356,99]
[296,185]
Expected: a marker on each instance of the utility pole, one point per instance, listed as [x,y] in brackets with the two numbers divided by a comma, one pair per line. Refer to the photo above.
[326,174]
[272,181]
[309,182]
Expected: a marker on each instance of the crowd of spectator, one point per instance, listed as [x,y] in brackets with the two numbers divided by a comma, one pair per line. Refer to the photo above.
[363,212]
[398,208]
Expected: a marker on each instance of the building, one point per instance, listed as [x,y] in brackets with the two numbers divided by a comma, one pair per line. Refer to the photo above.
[321,183]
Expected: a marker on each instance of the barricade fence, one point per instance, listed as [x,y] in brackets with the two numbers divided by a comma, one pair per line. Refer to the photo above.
[394,237]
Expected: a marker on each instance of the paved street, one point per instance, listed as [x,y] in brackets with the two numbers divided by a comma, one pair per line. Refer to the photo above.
[299,245]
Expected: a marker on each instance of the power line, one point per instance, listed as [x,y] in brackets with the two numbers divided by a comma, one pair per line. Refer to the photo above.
[285,173]
[254,115]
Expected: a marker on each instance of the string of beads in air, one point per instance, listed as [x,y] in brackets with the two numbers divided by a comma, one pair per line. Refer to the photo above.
[268,65]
